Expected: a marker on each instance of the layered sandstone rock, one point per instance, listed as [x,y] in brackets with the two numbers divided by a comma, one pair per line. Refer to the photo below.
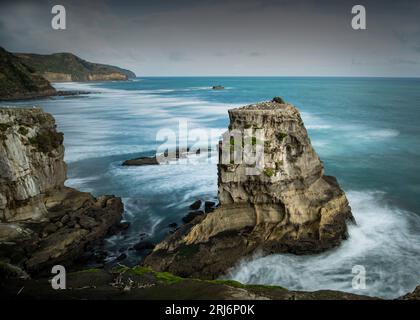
[42,222]
[288,205]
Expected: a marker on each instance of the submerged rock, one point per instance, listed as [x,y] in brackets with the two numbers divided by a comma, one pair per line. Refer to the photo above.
[196,205]
[288,206]
[141,161]
[144,245]
[43,222]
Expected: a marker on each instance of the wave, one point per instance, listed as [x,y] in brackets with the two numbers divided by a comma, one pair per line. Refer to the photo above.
[384,241]
[379,134]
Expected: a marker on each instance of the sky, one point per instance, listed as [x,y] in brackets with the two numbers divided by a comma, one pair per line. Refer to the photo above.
[224,38]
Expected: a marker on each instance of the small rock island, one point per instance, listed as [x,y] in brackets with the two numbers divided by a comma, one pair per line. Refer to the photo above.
[290,207]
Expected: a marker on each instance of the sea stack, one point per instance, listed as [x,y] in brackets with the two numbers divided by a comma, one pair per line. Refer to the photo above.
[42,222]
[290,206]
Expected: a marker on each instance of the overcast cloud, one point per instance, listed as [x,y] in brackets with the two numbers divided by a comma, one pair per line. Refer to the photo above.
[248,37]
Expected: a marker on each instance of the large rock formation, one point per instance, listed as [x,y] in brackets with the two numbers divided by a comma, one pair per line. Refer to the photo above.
[68,67]
[42,222]
[286,206]
[18,81]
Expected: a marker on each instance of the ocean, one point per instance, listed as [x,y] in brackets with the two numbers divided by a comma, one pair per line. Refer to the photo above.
[366,131]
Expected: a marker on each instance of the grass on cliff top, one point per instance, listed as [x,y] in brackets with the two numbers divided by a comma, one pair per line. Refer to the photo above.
[269,172]
[165,277]
[169,278]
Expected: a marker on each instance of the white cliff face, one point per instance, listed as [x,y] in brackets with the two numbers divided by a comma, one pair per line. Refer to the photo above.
[31,163]
[42,222]
[288,206]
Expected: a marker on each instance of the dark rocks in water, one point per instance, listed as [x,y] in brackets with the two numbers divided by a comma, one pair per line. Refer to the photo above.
[65,93]
[144,245]
[143,235]
[209,206]
[219,87]
[191,216]
[121,257]
[173,225]
[141,161]
[196,205]
[119,227]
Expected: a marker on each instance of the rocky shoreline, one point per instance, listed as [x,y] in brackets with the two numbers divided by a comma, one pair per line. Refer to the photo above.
[42,222]
[296,208]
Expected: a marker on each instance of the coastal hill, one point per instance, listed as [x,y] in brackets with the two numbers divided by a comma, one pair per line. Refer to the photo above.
[68,67]
[19,81]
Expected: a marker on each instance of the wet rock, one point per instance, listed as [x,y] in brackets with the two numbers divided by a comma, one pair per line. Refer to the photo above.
[173,225]
[219,87]
[119,227]
[196,205]
[191,216]
[144,245]
[209,206]
[121,257]
[141,161]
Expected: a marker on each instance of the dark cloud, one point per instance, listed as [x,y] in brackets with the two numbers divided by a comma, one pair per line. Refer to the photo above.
[224,37]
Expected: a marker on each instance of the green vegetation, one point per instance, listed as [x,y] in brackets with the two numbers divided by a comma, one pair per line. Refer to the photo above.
[24,131]
[4,126]
[17,80]
[237,284]
[58,65]
[231,283]
[165,277]
[278,100]
[281,136]
[91,270]
[269,172]
[46,141]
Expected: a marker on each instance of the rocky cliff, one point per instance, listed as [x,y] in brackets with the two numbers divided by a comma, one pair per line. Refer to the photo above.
[42,222]
[287,205]
[68,67]
[19,81]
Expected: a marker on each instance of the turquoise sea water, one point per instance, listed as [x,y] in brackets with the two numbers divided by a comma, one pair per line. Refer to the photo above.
[366,130]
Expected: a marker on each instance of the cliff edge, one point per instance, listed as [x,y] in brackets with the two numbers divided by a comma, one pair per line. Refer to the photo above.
[42,222]
[18,81]
[289,205]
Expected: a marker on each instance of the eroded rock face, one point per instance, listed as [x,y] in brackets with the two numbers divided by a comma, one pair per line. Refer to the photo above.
[290,206]
[42,222]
